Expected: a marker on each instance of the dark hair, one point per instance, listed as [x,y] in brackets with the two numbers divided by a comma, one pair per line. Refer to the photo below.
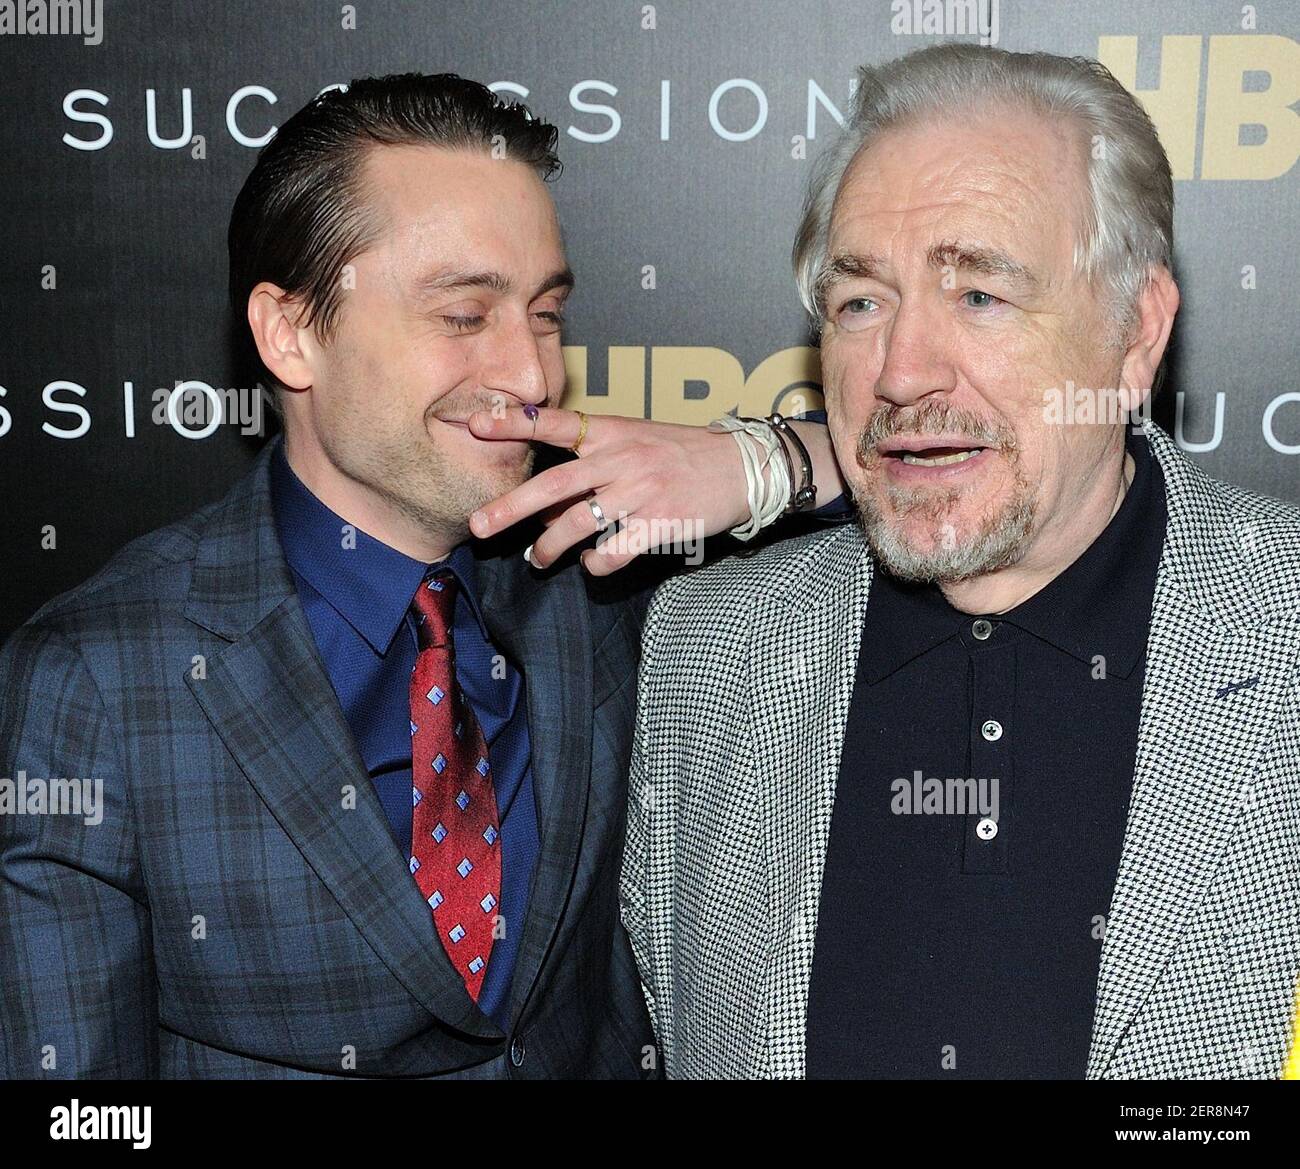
[298,219]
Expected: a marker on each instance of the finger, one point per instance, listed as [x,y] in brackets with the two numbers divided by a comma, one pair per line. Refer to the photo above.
[553,486]
[576,524]
[600,562]
[553,426]
[548,515]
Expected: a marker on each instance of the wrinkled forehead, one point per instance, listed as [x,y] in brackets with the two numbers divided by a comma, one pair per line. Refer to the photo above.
[1011,181]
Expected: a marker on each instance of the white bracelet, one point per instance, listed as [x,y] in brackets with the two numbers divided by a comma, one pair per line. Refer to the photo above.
[759,448]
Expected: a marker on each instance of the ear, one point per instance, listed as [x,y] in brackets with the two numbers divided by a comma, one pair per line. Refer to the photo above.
[287,350]
[1156,308]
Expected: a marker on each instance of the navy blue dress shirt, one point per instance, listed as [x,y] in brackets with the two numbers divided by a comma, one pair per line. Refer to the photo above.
[838,508]
[356,593]
[948,947]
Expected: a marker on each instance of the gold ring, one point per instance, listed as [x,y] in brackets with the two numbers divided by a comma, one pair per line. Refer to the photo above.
[582,432]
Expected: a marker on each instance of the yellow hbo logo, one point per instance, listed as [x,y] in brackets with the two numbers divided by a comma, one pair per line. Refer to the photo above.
[692,384]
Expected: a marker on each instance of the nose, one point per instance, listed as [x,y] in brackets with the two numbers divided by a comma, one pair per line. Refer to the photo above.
[917,358]
[514,364]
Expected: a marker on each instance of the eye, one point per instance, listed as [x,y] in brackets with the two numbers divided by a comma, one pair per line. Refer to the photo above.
[551,320]
[988,302]
[464,324]
[856,311]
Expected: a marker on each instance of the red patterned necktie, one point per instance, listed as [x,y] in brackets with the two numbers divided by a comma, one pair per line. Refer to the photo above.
[455,853]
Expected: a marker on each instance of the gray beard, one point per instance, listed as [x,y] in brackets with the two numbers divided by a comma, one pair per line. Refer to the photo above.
[1002,539]
[1000,542]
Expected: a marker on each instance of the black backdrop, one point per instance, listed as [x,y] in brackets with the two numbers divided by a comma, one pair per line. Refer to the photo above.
[687,128]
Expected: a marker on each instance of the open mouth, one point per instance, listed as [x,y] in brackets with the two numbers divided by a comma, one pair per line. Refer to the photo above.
[936,456]
[920,451]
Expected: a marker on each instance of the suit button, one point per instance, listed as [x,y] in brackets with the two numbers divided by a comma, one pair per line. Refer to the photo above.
[517,1050]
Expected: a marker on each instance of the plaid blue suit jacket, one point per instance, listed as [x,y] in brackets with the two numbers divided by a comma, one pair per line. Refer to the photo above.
[240,911]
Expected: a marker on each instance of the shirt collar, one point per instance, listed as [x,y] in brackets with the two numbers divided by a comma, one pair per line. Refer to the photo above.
[904,620]
[1098,607]
[368,583]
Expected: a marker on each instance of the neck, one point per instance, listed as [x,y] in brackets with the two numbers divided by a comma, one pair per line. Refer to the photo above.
[1054,548]
[362,507]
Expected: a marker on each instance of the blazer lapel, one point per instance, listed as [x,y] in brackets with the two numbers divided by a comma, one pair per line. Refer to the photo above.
[1216,675]
[269,699]
[804,654]
[544,625]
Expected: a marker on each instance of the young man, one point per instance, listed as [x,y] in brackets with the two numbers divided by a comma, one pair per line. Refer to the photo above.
[362,779]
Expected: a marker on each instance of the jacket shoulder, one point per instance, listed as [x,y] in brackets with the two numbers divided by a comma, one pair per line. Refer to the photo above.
[1277,517]
[1266,532]
[151,570]
[1240,547]
[797,567]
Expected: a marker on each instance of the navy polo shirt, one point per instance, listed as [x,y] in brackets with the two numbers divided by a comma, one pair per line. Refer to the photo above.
[356,592]
[956,939]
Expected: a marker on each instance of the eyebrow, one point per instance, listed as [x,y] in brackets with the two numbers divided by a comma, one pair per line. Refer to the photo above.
[447,279]
[843,266]
[949,253]
[985,261]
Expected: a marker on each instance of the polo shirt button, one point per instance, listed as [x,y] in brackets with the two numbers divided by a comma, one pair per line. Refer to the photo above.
[982,630]
[986,829]
[517,1050]
[991,730]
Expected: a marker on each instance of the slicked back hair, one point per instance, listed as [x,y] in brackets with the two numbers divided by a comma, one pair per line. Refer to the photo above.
[300,216]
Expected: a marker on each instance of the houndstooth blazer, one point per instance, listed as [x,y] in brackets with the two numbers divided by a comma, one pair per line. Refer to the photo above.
[737,748]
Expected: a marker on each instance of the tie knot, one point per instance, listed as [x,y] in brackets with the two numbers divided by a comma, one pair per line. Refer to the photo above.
[433,605]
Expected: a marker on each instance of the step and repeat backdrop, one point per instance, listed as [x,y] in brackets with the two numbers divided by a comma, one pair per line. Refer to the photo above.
[687,128]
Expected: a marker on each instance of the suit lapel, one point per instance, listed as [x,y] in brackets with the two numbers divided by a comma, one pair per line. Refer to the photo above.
[269,699]
[1217,673]
[544,626]
[804,653]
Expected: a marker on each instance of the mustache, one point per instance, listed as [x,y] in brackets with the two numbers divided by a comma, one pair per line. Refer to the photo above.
[890,421]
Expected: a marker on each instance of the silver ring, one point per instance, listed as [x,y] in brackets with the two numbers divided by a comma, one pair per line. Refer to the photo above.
[601,522]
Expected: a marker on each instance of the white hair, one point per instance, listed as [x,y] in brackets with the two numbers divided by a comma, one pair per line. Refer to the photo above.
[1128,224]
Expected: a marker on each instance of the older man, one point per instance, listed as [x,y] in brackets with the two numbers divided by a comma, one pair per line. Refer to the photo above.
[1003,781]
